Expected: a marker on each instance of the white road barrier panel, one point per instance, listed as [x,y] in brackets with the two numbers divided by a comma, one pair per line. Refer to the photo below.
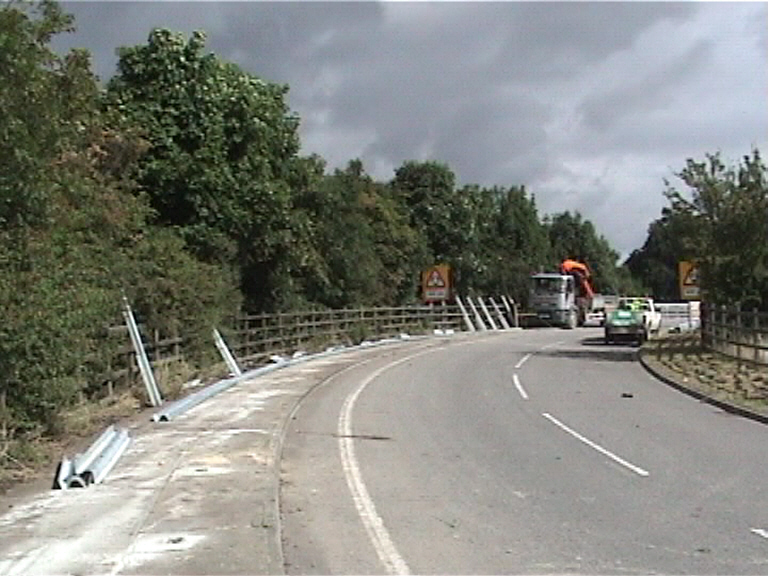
[487,314]
[174,409]
[499,314]
[679,316]
[82,462]
[478,318]
[63,471]
[108,458]
[511,307]
[465,315]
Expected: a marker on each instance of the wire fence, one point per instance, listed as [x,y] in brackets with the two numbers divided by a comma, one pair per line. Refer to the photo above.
[736,333]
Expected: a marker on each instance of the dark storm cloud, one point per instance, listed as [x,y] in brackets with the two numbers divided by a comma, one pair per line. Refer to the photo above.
[590,105]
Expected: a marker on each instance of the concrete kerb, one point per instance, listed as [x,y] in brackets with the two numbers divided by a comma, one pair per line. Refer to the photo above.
[682,387]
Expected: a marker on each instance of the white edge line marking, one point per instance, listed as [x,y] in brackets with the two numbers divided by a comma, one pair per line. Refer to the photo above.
[522,360]
[588,442]
[760,532]
[366,509]
[519,387]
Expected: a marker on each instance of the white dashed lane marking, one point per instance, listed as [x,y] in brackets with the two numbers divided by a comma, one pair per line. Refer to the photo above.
[636,469]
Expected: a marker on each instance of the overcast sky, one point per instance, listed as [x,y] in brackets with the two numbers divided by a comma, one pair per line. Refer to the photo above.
[589,105]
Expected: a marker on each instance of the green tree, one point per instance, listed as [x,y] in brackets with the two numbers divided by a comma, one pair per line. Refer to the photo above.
[722,218]
[428,191]
[73,228]
[573,237]
[223,151]
[516,242]
[59,227]
[30,119]
[655,263]
[370,254]
[443,215]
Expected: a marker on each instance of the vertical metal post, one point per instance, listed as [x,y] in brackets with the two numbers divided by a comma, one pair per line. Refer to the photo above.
[690,316]
[141,356]
[226,354]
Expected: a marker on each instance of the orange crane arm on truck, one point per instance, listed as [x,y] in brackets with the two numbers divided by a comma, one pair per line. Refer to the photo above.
[582,274]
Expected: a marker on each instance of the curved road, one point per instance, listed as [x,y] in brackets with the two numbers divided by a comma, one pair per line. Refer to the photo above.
[536,452]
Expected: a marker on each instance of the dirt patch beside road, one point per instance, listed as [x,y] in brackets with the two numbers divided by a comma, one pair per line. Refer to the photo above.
[681,360]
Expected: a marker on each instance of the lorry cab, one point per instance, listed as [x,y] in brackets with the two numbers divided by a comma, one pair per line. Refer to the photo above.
[553,299]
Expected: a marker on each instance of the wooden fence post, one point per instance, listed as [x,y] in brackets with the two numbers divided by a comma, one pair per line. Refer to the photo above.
[156,346]
[723,335]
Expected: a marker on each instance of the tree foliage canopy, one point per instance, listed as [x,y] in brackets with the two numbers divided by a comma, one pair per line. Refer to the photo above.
[74,230]
[723,225]
[573,237]
[223,149]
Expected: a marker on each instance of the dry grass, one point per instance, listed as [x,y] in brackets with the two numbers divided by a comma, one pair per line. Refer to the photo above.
[740,382]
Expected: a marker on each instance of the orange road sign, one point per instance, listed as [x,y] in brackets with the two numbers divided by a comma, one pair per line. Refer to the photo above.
[436,283]
[688,276]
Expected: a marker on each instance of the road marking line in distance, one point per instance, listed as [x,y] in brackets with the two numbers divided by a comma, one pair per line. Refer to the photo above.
[548,346]
[519,387]
[760,532]
[525,358]
[374,525]
[588,442]
[522,360]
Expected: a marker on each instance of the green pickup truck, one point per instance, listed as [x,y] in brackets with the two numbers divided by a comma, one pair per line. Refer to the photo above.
[634,319]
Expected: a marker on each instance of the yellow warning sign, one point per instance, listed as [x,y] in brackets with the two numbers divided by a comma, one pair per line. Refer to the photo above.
[436,283]
[688,274]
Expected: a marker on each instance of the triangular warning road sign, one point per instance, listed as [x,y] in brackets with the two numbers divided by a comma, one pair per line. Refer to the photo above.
[692,277]
[435,280]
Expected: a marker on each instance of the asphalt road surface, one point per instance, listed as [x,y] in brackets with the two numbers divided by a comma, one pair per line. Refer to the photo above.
[528,453]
